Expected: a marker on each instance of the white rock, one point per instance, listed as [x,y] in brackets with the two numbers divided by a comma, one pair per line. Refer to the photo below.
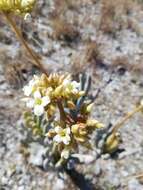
[36,152]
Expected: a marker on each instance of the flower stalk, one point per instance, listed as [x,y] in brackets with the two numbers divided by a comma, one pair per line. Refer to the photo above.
[126,118]
[23,42]
[62,113]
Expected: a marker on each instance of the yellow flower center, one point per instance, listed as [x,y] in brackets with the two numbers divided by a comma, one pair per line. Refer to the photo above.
[38,101]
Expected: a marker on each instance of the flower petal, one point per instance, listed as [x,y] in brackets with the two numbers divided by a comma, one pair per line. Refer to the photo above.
[30,103]
[75,84]
[65,140]
[32,82]
[45,101]
[68,137]
[38,110]
[27,90]
[37,94]
[57,138]
[68,131]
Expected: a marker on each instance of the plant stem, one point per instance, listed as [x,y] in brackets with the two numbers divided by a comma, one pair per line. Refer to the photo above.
[127,117]
[62,113]
[135,176]
[24,43]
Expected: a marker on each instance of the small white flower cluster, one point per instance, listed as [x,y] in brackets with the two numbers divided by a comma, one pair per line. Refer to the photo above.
[40,91]
[62,135]
[34,99]
[70,86]
[48,95]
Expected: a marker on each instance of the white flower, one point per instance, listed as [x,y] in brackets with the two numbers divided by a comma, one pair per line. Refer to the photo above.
[65,154]
[37,102]
[28,89]
[63,135]
[75,86]
[43,101]
[71,86]
[32,81]
[38,110]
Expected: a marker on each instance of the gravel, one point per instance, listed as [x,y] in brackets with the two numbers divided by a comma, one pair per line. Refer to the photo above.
[20,167]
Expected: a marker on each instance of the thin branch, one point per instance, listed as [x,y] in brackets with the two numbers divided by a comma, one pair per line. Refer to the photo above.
[136,176]
[127,117]
[24,43]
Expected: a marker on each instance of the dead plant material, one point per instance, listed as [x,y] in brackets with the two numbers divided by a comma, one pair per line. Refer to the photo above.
[17,72]
[89,55]
[61,6]
[138,68]
[138,176]
[114,15]
[135,26]
[63,30]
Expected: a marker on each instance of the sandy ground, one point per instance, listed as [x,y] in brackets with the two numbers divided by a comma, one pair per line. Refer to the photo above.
[94,37]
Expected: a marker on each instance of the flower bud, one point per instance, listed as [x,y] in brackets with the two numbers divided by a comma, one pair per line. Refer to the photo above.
[17,6]
[71,105]
[81,93]
[58,91]
[50,134]
[51,110]
[74,128]
[80,132]
[94,123]
[89,107]
[111,144]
